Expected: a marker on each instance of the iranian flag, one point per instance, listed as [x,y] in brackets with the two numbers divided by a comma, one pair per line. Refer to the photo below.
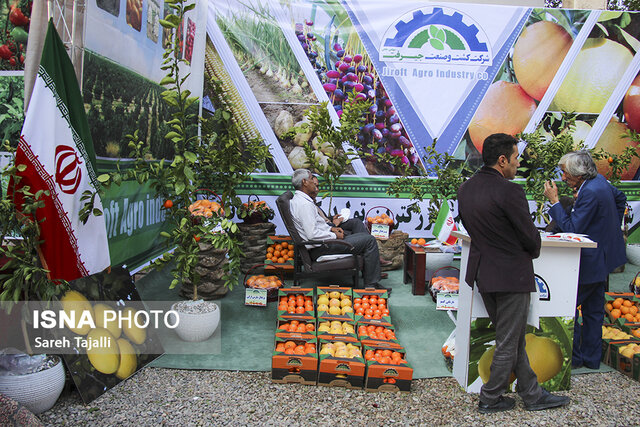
[55,153]
[445,225]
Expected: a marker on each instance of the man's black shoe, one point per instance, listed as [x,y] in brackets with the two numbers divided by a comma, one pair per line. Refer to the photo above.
[547,401]
[590,366]
[503,404]
[576,365]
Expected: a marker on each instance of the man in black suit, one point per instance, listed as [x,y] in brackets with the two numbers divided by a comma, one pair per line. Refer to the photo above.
[504,242]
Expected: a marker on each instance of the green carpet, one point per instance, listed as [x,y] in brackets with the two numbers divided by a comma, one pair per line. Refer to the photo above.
[245,338]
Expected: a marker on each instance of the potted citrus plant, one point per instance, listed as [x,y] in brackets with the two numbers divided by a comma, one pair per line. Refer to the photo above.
[23,278]
[216,161]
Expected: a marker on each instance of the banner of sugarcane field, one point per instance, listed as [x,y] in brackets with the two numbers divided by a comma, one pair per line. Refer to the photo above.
[444,72]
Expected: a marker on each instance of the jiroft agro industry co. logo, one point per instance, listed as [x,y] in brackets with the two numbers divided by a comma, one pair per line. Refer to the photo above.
[436,35]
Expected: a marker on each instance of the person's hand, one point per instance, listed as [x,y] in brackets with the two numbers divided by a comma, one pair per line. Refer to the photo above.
[337,220]
[338,232]
[551,192]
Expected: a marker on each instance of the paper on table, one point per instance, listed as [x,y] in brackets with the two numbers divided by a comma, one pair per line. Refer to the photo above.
[572,237]
[345,213]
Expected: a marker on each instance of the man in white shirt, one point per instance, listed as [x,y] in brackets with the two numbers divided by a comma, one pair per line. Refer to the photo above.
[311,226]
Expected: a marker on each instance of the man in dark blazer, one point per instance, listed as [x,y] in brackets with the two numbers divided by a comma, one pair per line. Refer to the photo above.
[597,212]
[504,242]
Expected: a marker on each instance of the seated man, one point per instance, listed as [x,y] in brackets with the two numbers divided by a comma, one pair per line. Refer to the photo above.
[349,226]
[311,226]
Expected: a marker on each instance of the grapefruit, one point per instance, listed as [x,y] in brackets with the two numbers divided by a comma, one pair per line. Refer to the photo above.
[506,108]
[631,105]
[537,55]
[614,140]
[593,76]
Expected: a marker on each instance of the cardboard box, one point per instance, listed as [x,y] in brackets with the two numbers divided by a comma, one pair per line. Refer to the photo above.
[329,335]
[368,337]
[620,362]
[340,371]
[367,308]
[636,367]
[294,368]
[333,292]
[285,266]
[305,293]
[286,321]
[388,376]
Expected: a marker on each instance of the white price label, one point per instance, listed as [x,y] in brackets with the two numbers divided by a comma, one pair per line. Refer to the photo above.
[257,297]
[446,301]
[380,231]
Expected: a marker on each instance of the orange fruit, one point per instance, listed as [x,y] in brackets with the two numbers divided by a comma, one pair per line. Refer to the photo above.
[421,241]
[537,55]
[280,260]
[633,309]
[629,317]
[270,250]
[168,204]
[624,309]
[289,344]
[414,241]
[505,108]
[284,245]
[609,306]
[280,347]
[617,303]
[615,313]
[627,303]
[278,247]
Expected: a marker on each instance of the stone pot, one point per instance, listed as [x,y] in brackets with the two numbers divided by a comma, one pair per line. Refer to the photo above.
[198,320]
[37,392]
[392,249]
[211,262]
[254,243]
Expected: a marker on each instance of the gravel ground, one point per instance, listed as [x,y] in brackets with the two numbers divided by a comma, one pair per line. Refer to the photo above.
[192,398]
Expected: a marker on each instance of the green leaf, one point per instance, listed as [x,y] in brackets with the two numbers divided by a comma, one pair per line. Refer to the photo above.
[167,24]
[190,156]
[179,187]
[104,177]
[166,80]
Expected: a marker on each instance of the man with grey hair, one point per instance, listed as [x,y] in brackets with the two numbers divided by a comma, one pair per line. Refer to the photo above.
[597,212]
[312,226]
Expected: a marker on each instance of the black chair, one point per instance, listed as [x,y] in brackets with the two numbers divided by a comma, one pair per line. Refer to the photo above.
[304,264]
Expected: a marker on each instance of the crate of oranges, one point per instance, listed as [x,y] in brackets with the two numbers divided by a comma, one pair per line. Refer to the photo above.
[387,368]
[380,225]
[280,251]
[621,307]
[295,360]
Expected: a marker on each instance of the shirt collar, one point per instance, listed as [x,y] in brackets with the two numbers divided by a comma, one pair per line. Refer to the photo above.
[303,195]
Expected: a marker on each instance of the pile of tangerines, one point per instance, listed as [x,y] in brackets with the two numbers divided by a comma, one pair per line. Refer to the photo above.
[203,207]
[280,252]
[376,332]
[297,326]
[291,347]
[621,307]
[264,282]
[419,241]
[296,303]
[370,307]
[380,219]
[386,356]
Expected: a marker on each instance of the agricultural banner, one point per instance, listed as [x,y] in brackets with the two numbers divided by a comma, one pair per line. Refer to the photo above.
[450,72]
[124,44]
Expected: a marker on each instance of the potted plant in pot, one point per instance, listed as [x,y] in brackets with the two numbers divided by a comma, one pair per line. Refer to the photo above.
[216,161]
[36,382]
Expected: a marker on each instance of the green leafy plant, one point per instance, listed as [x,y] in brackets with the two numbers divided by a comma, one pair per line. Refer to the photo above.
[446,174]
[22,277]
[337,146]
[219,160]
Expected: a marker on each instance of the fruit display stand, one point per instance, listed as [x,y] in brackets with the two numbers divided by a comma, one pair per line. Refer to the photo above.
[556,271]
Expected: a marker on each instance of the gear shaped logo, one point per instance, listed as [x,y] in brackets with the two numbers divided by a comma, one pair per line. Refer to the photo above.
[436,35]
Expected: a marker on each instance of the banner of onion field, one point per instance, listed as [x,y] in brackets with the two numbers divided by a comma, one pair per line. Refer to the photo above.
[451,72]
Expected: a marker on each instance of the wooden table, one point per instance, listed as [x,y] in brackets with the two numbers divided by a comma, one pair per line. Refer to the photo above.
[415,258]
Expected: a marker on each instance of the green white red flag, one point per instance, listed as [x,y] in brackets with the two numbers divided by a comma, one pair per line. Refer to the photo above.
[445,224]
[57,150]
